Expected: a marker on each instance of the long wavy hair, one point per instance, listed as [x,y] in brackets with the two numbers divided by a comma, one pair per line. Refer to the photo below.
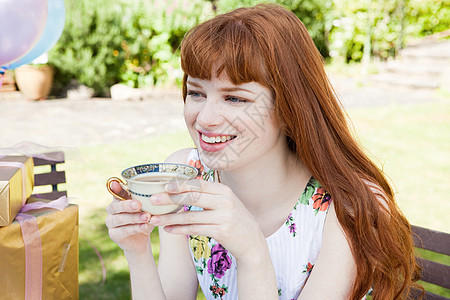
[268,44]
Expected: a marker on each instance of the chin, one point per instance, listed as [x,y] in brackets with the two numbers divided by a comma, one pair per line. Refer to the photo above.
[216,160]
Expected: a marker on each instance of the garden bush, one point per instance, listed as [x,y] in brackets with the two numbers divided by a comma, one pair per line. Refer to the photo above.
[132,42]
[137,42]
[383,27]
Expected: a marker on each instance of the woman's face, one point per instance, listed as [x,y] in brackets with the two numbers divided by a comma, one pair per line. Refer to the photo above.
[232,125]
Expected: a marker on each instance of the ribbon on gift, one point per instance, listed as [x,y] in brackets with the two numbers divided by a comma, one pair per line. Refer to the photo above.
[58,204]
[33,248]
[35,150]
[22,167]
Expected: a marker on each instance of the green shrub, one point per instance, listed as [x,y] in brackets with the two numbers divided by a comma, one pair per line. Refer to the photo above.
[133,42]
[315,14]
[317,17]
[153,37]
[426,17]
[137,42]
[85,49]
[383,26]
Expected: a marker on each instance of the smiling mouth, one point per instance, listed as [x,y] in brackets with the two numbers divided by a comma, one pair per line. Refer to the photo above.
[217,139]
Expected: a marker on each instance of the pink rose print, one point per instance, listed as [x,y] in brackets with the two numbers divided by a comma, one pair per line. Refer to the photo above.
[219,262]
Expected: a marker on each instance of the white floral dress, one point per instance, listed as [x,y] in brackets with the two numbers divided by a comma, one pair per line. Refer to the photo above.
[293,248]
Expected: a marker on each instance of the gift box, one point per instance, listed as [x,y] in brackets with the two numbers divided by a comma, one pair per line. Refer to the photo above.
[56,274]
[15,171]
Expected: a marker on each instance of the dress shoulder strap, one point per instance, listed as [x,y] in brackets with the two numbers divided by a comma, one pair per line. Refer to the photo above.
[195,161]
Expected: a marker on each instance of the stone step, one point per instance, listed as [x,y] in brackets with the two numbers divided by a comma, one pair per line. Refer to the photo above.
[403,67]
[437,54]
[413,81]
[423,60]
[439,49]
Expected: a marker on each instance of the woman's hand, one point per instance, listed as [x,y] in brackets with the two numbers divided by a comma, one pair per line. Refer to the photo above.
[224,216]
[128,226]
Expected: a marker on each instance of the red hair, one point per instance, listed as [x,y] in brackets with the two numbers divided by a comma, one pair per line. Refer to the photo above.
[270,45]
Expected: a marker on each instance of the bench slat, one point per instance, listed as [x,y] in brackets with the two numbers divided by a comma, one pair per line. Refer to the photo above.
[50,178]
[434,272]
[431,296]
[431,240]
[53,177]
[415,293]
[50,196]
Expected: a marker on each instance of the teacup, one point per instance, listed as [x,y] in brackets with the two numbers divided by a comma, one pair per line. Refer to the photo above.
[145,180]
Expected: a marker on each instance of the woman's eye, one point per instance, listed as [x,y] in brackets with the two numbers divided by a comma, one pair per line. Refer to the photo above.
[194,94]
[235,99]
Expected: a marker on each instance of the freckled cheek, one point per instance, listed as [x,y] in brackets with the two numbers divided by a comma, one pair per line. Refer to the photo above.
[190,115]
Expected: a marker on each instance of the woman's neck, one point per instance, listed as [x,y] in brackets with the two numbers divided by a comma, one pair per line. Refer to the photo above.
[270,184]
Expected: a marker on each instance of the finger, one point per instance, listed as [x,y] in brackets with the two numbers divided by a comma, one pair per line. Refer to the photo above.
[195,229]
[205,201]
[190,217]
[123,206]
[119,233]
[196,185]
[122,219]
[117,188]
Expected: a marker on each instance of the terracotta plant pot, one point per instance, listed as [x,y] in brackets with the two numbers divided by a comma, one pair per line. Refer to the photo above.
[34,81]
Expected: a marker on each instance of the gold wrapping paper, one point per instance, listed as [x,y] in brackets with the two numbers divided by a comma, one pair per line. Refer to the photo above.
[59,242]
[11,187]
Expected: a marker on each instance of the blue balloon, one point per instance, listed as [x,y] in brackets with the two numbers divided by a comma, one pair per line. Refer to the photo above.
[56,16]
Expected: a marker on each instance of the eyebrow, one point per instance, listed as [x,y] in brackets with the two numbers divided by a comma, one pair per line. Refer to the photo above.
[234,89]
[194,84]
[225,89]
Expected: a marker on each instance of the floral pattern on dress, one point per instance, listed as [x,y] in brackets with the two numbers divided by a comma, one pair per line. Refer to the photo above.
[217,291]
[215,260]
[208,175]
[291,224]
[321,200]
[198,165]
[218,263]
[201,251]
[311,187]
[280,293]
[308,268]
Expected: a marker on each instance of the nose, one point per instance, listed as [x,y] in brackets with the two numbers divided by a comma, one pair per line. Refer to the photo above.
[210,114]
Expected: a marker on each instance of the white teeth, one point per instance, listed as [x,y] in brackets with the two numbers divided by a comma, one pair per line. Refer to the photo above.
[216,139]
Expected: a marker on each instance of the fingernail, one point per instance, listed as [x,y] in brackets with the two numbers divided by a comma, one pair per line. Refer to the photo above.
[134,205]
[144,217]
[171,187]
[155,199]
[155,220]
[143,226]
[168,228]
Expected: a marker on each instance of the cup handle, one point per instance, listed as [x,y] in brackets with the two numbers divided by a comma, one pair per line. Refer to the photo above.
[119,181]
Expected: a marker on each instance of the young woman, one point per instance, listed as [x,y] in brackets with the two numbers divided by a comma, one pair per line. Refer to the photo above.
[288,205]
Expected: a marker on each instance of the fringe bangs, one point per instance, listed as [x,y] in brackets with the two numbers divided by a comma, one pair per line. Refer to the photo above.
[223,45]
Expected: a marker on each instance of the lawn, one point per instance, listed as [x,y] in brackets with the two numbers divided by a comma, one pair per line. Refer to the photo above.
[410,142]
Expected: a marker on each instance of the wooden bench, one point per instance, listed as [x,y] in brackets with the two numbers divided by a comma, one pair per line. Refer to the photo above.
[433,272]
[52,178]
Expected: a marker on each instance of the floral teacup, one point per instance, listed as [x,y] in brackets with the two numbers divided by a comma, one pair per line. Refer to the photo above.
[145,180]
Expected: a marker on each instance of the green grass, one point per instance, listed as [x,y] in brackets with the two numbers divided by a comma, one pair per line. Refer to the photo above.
[410,142]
